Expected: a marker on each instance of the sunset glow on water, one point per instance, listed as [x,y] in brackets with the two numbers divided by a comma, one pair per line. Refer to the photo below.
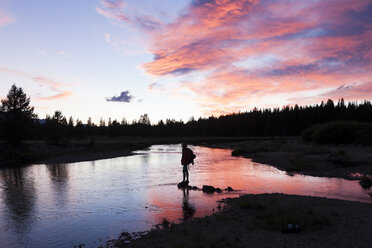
[90,202]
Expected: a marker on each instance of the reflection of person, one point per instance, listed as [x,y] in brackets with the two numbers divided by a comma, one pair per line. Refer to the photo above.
[187,210]
[187,158]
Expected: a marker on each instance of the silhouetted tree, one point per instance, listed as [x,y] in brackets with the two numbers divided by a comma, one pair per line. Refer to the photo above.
[286,121]
[17,117]
[79,130]
[124,121]
[57,129]
[144,119]
[90,126]
[89,122]
[102,122]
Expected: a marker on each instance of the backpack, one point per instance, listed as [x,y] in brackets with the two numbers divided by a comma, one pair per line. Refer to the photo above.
[193,156]
[188,157]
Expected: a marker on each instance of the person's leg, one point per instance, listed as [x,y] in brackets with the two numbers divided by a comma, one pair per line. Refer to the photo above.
[187,175]
[184,171]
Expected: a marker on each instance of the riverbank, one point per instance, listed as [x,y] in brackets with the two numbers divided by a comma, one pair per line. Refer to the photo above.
[34,152]
[295,156]
[266,220]
[285,153]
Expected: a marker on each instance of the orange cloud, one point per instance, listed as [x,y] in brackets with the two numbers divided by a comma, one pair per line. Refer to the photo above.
[59,96]
[237,54]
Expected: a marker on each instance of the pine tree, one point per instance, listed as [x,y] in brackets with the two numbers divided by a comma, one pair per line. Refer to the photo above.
[18,115]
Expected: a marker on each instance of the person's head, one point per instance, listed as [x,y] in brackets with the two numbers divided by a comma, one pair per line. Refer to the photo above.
[184,145]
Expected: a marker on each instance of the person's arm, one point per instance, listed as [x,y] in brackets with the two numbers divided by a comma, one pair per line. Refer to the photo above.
[192,157]
[183,158]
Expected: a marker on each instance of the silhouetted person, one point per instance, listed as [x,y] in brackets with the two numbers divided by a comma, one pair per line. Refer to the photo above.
[187,158]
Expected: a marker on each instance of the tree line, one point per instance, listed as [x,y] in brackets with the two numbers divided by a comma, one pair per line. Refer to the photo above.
[18,122]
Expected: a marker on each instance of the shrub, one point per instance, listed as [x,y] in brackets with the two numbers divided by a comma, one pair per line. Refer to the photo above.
[339,132]
[238,152]
[307,133]
[365,182]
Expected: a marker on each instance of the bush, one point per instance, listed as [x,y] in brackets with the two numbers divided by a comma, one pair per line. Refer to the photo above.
[238,152]
[307,133]
[365,182]
[339,132]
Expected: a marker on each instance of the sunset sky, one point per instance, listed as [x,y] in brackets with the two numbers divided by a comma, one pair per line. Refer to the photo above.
[183,58]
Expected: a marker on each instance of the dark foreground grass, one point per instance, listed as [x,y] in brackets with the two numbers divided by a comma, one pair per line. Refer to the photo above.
[262,221]
[273,214]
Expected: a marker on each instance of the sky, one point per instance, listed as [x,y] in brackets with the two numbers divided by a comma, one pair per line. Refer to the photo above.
[181,58]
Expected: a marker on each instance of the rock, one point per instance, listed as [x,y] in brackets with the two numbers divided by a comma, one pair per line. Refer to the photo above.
[183,185]
[210,189]
[229,189]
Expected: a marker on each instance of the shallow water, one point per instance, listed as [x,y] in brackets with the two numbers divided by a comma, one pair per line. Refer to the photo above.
[64,205]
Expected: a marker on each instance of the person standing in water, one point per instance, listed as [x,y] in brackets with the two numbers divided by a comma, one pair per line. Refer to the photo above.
[187,158]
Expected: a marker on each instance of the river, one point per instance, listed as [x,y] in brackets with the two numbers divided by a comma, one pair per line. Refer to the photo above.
[63,205]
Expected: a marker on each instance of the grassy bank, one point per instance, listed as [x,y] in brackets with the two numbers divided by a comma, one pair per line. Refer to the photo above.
[267,220]
[289,153]
[92,149]
[295,156]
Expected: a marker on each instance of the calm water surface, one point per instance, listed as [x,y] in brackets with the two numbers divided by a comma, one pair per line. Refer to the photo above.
[64,205]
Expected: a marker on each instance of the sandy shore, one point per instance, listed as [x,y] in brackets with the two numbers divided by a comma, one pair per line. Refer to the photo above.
[262,221]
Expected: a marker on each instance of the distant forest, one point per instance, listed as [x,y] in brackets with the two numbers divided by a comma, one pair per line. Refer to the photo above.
[286,121]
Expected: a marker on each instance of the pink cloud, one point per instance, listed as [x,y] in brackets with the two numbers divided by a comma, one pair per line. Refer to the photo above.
[117,10]
[59,96]
[5,18]
[108,38]
[117,15]
[42,81]
[349,92]
[311,48]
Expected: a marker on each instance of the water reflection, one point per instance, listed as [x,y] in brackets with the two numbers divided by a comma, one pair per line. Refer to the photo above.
[59,176]
[187,209]
[67,204]
[18,197]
